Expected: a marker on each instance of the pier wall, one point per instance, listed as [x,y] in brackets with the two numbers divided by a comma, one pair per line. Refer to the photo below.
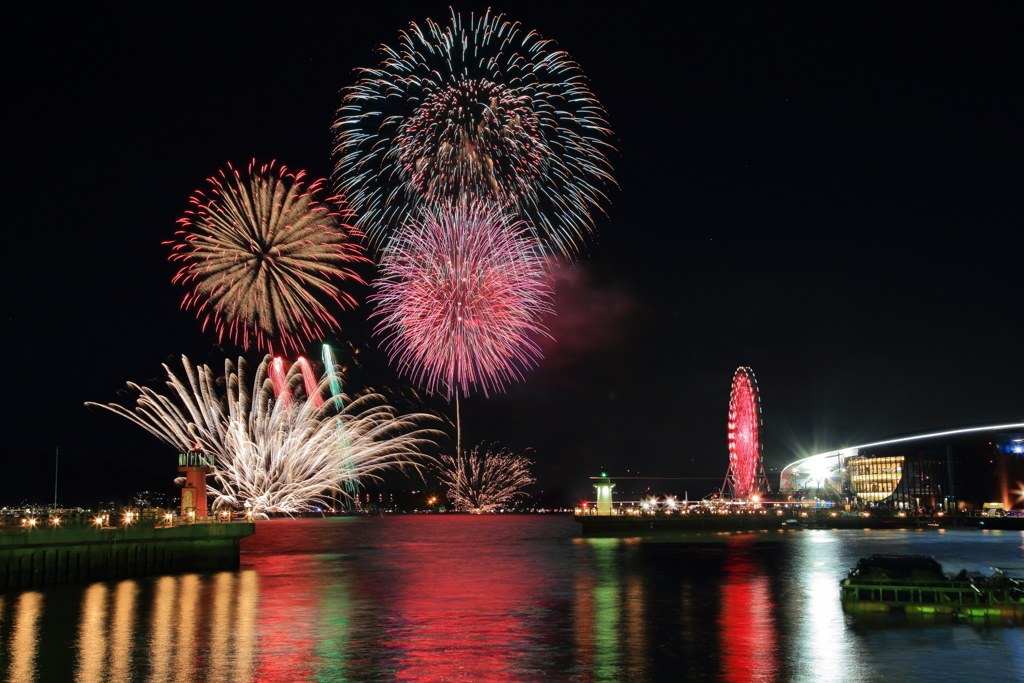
[752,521]
[615,524]
[40,557]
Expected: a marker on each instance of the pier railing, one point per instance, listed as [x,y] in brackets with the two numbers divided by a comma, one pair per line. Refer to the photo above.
[28,520]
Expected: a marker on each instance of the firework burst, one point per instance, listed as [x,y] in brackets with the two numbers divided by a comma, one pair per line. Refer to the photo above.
[484,108]
[481,481]
[272,453]
[261,255]
[461,292]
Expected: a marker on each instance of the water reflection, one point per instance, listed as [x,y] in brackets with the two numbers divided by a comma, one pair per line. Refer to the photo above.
[458,620]
[517,599]
[747,619]
[637,637]
[27,611]
[822,646]
[92,633]
[244,627]
[198,629]
[185,619]
[221,627]
[597,611]
[160,642]
[123,631]
[105,642]
[289,618]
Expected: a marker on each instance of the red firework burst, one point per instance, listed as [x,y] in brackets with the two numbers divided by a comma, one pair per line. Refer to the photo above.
[261,255]
[463,289]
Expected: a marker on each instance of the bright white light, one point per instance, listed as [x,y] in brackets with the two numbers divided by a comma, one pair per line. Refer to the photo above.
[818,468]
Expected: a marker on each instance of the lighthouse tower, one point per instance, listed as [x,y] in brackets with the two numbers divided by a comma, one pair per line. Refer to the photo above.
[604,487]
[196,465]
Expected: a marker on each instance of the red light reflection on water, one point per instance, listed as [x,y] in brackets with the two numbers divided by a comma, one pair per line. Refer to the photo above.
[747,621]
[424,604]
[455,620]
[288,598]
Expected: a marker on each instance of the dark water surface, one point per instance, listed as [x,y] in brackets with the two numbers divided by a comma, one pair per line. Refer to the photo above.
[509,598]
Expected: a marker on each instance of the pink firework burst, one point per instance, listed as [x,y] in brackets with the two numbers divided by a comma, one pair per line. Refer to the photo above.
[462,294]
[261,255]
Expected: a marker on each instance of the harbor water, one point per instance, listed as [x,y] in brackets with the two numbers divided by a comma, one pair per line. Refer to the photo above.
[511,598]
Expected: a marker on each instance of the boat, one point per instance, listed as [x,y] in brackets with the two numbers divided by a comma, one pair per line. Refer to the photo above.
[917,585]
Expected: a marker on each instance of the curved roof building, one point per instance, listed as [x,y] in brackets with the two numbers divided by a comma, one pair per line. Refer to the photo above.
[953,468]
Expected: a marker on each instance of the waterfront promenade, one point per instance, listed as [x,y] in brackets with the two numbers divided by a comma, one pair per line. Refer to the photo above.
[36,552]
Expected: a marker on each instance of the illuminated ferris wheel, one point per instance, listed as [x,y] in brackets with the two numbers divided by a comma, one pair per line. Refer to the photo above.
[746,475]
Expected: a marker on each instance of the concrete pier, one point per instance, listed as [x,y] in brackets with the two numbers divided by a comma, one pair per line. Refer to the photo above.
[756,520]
[32,558]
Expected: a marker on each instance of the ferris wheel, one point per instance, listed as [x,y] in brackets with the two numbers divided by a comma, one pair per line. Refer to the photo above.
[746,476]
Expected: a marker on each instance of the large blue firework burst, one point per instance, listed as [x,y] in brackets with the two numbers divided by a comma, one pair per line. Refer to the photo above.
[481,109]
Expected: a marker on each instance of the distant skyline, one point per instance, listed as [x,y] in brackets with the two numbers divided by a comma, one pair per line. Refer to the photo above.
[827,194]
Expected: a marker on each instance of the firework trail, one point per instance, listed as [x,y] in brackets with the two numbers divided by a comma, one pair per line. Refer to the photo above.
[261,254]
[334,378]
[276,455]
[483,108]
[461,292]
[309,380]
[481,481]
[350,480]
[279,378]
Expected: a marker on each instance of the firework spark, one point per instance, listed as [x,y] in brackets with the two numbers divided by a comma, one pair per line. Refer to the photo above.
[276,455]
[261,254]
[485,108]
[481,481]
[462,291]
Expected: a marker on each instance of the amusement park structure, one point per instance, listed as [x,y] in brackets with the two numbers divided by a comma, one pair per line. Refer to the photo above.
[746,476]
[745,480]
[959,478]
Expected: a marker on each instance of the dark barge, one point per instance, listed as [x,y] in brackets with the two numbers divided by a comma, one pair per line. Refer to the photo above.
[916,585]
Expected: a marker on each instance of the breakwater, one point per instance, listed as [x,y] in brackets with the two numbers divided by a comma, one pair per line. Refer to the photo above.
[32,558]
[766,520]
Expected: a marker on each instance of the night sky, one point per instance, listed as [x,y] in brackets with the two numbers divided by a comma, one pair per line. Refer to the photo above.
[827,193]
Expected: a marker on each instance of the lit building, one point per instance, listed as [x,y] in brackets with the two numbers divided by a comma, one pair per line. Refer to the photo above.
[151,499]
[949,469]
